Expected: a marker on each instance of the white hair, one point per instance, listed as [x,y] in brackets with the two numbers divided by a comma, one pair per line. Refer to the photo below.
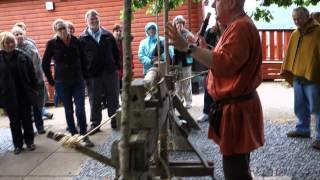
[90,13]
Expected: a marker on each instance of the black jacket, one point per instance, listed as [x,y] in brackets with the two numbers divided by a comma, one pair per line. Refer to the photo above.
[99,57]
[67,60]
[26,77]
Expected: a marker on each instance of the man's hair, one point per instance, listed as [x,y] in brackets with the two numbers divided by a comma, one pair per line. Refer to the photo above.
[22,25]
[6,36]
[116,27]
[302,10]
[91,12]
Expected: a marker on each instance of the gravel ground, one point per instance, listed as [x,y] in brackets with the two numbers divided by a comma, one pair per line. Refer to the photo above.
[280,156]
[5,141]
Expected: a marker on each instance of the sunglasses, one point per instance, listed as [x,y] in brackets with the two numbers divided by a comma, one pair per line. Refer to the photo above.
[61,28]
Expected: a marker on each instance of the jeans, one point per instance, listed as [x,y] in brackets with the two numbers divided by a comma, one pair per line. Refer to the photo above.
[37,115]
[306,102]
[183,88]
[69,92]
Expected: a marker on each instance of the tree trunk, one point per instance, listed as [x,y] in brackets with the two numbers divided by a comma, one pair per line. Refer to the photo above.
[165,22]
[127,78]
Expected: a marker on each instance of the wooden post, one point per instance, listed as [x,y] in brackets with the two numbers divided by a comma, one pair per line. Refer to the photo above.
[166,46]
[127,72]
[264,45]
[280,45]
[272,46]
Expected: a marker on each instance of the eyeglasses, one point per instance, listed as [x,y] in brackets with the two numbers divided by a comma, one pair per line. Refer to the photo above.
[179,22]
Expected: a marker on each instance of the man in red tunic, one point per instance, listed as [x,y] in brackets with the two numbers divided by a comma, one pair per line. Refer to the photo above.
[235,73]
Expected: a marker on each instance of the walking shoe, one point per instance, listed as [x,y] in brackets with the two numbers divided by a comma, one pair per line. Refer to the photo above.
[42,131]
[188,106]
[316,144]
[17,150]
[31,147]
[297,134]
[47,116]
[204,117]
[86,142]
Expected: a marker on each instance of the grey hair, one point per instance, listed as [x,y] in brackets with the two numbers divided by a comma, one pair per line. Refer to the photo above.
[178,18]
[5,36]
[302,10]
[91,12]
[56,22]
[18,29]
[22,25]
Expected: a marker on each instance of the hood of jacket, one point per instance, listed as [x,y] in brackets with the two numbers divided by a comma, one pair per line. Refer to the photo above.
[147,27]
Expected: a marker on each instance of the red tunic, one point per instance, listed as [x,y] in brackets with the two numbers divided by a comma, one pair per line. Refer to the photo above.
[237,71]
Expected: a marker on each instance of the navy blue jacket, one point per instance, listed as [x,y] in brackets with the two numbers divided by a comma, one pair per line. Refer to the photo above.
[99,57]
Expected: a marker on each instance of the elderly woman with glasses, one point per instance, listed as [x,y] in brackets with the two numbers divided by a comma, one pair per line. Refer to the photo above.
[68,79]
[30,50]
[17,91]
[183,62]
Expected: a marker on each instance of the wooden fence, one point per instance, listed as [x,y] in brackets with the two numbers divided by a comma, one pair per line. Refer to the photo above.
[274,45]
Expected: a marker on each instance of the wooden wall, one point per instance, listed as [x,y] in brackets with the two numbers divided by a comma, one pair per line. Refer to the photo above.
[39,20]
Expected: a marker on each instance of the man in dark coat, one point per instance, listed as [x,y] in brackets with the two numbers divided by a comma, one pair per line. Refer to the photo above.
[101,63]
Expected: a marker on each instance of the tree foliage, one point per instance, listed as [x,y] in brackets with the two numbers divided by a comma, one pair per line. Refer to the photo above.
[156,6]
[263,13]
[260,13]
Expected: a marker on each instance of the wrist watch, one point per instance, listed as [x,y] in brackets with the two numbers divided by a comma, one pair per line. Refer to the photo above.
[190,48]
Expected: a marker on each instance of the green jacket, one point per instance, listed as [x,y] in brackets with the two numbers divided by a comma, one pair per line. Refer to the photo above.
[303,55]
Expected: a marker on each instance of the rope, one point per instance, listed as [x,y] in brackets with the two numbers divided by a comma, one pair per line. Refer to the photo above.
[70,141]
[154,87]
[190,77]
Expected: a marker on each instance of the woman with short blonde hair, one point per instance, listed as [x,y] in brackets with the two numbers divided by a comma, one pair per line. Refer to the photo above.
[18,91]
[7,36]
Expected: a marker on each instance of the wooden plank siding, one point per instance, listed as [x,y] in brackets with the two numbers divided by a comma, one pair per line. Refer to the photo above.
[39,20]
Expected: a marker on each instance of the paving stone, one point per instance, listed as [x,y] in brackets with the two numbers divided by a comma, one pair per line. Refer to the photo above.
[60,164]
[11,178]
[47,178]
[22,164]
